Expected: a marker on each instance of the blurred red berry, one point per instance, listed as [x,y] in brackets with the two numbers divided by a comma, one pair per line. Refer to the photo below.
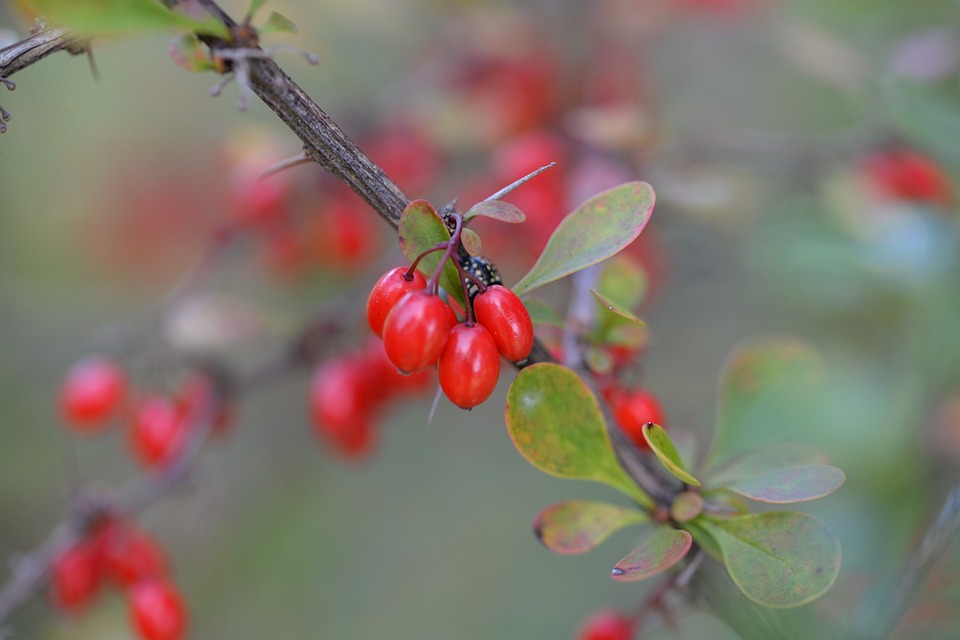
[158,432]
[127,554]
[338,393]
[633,408]
[74,577]
[157,610]
[92,393]
[908,175]
[606,625]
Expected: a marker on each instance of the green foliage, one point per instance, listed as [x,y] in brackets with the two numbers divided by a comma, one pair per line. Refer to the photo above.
[593,232]
[471,242]
[541,312]
[278,23]
[779,559]
[791,484]
[556,424]
[617,325]
[188,52]
[578,526]
[98,17]
[421,228]
[666,453]
[662,548]
[496,209]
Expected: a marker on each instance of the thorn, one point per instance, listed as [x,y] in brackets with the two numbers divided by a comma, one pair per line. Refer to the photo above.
[289,163]
[93,64]
[311,58]
[433,407]
[8,83]
[217,89]
[510,187]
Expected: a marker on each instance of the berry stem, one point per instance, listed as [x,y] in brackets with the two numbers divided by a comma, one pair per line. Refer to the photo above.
[408,275]
[451,245]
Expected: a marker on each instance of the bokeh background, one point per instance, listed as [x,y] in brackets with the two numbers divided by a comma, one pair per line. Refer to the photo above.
[774,134]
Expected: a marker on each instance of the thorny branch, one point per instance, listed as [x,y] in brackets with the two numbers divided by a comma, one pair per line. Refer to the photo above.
[325,143]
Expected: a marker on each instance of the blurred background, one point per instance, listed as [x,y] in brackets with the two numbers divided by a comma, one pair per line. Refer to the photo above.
[804,155]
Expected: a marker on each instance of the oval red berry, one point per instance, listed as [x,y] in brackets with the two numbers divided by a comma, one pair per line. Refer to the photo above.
[416,329]
[387,292]
[469,366]
[91,393]
[503,314]
[157,610]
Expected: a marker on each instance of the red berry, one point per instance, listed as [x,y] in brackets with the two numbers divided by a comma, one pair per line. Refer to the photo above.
[469,367]
[158,431]
[908,175]
[606,625]
[157,610]
[354,440]
[74,578]
[338,393]
[416,329]
[383,379]
[91,393]
[196,392]
[387,292]
[503,314]
[128,554]
[633,408]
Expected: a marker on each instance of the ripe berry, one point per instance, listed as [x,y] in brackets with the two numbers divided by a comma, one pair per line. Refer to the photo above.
[633,408]
[606,625]
[158,431]
[157,610]
[503,314]
[91,393]
[416,329]
[387,292]
[469,366]
[908,175]
[129,555]
[73,577]
[337,393]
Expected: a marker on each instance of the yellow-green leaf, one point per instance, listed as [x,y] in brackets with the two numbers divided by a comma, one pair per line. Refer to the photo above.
[578,526]
[666,453]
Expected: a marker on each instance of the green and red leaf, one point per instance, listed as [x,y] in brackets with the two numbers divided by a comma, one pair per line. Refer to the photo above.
[421,228]
[578,526]
[556,424]
[99,17]
[660,550]
[791,484]
[596,230]
[496,209]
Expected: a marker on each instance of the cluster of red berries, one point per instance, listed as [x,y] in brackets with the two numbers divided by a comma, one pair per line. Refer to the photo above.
[632,408]
[420,330]
[119,552]
[349,392]
[95,393]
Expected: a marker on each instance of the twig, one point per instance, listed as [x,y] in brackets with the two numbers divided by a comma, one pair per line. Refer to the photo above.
[881,613]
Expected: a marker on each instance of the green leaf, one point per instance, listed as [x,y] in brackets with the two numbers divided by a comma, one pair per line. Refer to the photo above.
[663,548]
[278,23]
[763,461]
[255,6]
[421,228]
[927,115]
[187,51]
[496,209]
[778,559]
[759,374]
[599,228]
[666,453]
[704,539]
[541,312]
[123,16]
[791,484]
[623,281]
[578,526]
[471,242]
[556,424]
[617,325]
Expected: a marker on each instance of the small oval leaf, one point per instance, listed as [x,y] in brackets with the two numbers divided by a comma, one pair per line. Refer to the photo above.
[421,228]
[791,484]
[599,228]
[471,242]
[762,461]
[189,54]
[666,453]
[778,559]
[496,209]
[578,526]
[686,506]
[663,548]
[556,424]
[278,23]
